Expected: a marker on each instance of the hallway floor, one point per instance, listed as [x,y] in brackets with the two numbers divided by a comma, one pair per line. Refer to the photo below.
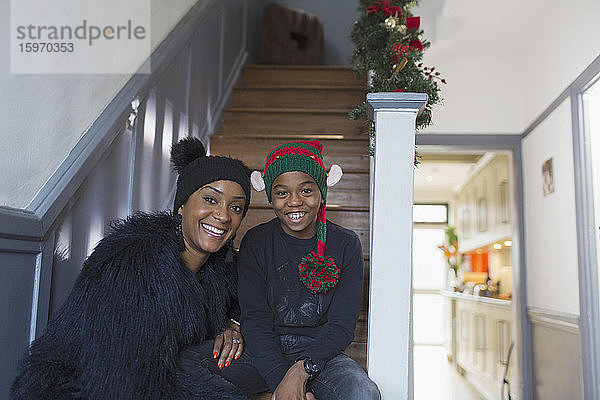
[436,378]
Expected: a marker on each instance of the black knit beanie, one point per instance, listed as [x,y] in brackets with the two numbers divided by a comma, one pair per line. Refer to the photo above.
[196,169]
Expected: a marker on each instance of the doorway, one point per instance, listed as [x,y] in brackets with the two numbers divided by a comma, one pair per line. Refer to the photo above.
[461,340]
[586,141]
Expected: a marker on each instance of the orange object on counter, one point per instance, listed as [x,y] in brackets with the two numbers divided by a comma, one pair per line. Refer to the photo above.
[480,261]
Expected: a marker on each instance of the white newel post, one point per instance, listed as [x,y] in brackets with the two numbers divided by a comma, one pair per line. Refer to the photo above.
[389,349]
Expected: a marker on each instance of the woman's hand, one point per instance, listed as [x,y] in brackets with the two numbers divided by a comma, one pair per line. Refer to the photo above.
[293,384]
[229,344]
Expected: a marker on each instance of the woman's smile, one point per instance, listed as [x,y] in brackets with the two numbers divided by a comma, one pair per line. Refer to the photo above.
[213,230]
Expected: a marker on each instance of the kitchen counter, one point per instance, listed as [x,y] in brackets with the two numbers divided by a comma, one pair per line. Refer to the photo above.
[479,299]
[480,340]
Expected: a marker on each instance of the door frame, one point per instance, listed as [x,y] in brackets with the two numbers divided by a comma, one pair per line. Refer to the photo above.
[589,292]
[512,144]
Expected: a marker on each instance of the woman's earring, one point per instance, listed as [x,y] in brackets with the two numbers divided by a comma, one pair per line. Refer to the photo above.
[179,232]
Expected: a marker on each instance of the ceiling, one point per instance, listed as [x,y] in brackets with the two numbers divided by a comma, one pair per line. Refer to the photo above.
[442,173]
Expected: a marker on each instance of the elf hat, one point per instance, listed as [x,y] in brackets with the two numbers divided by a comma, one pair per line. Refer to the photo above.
[318,272]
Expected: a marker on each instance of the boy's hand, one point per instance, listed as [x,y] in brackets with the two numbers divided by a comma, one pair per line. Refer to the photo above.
[229,345]
[293,384]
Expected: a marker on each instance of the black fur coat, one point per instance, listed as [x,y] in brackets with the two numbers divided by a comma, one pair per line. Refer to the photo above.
[133,307]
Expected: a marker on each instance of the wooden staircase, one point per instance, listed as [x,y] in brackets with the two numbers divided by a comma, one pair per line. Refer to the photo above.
[279,103]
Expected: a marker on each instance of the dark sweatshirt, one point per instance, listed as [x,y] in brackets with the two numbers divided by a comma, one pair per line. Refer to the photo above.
[274,301]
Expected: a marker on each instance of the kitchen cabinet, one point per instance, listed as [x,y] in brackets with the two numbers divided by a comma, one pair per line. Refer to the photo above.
[482,340]
[483,204]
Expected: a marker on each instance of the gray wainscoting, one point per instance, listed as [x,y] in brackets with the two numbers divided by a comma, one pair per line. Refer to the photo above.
[556,352]
[114,170]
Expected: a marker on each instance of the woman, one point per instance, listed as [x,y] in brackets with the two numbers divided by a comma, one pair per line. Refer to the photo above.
[156,283]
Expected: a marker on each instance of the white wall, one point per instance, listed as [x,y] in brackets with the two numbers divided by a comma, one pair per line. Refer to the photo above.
[504,61]
[550,235]
[43,116]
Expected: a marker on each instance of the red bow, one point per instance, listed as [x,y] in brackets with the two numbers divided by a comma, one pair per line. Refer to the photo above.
[387,8]
[413,22]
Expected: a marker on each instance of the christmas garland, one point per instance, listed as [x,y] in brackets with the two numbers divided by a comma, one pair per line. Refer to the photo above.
[318,273]
[389,47]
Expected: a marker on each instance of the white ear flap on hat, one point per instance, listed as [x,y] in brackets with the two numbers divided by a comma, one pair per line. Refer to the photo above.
[334,175]
[258,183]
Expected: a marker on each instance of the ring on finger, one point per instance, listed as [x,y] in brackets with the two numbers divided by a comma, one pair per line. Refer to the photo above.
[236,341]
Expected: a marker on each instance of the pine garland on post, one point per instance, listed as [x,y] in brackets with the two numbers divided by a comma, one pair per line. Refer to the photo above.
[389,47]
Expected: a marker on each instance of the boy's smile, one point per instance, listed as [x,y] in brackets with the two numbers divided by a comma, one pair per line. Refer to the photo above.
[296,199]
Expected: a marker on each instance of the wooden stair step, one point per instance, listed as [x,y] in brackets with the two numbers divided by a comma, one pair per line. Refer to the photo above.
[353,181]
[347,97]
[364,305]
[305,75]
[335,198]
[239,121]
[349,154]
[360,332]
[358,352]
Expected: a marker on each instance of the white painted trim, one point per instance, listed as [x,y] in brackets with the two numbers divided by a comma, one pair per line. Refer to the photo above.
[35,297]
[390,292]
[554,320]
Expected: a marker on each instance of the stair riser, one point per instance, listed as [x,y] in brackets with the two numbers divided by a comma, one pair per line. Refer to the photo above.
[267,123]
[334,197]
[288,76]
[358,352]
[348,163]
[360,332]
[298,98]
[240,145]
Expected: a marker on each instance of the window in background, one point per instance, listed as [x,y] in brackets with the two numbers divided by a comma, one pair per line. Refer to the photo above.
[429,277]
[430,213]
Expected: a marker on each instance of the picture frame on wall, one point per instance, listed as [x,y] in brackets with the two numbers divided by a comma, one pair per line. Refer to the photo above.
[548,177]
[482,220]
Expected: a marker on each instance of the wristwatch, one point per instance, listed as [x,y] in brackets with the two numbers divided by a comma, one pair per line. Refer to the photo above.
[311,368]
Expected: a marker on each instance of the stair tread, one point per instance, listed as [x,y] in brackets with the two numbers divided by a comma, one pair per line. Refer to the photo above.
[306,67]
[289,110]
[326,137]
[296,87]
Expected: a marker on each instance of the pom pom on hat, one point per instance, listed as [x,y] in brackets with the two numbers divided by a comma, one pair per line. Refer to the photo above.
[196,169]
[185,151]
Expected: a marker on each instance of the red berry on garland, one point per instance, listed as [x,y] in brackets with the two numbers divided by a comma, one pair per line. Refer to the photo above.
[416,44]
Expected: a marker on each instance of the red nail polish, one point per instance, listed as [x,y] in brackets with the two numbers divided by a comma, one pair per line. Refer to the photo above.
[220,366]
[227,363]
[215,354]
[236,356]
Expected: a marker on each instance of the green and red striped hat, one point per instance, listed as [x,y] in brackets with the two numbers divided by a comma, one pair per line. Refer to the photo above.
[318,272]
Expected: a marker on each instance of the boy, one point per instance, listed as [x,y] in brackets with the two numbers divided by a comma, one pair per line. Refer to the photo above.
[299,284]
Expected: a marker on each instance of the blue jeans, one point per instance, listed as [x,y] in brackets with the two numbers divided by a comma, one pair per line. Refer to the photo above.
[341,379]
